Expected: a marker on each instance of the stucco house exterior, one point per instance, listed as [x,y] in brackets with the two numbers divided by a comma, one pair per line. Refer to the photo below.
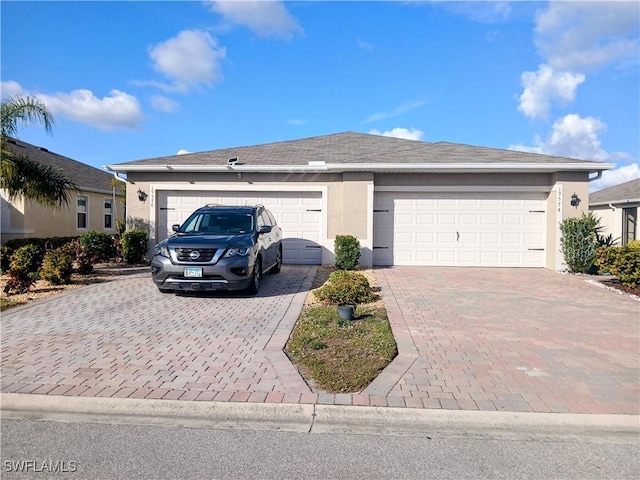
[97,206]
[617,208]
[408,202]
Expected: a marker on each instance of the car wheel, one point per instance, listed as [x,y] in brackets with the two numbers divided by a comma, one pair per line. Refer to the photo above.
[278,265]
[256,277]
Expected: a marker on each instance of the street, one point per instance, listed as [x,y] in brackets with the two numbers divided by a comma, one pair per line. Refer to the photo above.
[31,449]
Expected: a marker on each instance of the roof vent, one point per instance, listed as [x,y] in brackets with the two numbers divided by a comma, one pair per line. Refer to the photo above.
[12,141]
[42,149]
[232,161]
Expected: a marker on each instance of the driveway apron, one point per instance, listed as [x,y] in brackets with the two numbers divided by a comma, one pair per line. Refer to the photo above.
[509,339]
[126,339]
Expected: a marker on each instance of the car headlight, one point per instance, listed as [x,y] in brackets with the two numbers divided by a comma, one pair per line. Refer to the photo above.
[238,252]
[161,250]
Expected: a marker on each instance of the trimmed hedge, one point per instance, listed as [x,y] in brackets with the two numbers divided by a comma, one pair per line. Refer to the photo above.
[347,252]
[345,288]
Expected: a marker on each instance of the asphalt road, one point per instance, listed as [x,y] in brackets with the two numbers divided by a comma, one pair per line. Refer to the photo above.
[105,451]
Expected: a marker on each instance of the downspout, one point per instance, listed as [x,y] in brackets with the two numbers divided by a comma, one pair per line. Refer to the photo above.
[597,177]
[113,195]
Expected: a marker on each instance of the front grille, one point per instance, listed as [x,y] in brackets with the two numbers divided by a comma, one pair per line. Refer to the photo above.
[184,254]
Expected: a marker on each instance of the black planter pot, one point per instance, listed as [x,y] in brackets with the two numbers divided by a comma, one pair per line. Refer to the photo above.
[347,312]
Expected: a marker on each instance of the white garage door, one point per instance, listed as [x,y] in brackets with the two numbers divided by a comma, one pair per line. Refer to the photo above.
[298,214]
[459,229]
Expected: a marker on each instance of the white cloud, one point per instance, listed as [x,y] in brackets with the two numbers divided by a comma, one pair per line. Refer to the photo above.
[394,113]
[574,137]
[9,88]
[164,104]
[544,86]
[182,151]
[266,18]
[190,59]
[615,177]
[406,133]
[587,35]
[364,45]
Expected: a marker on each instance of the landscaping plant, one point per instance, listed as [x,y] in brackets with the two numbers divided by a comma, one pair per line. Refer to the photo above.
[134,246]
[347,252]
[99,246]
[58,265]
[23,271]
[623,262]
[345,288]
[580,242]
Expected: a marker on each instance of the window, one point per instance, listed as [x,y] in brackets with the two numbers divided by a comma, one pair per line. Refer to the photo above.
[108,214]
[629,224]
[83,202]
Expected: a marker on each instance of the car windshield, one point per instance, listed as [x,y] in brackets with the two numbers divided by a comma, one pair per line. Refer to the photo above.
[216,223]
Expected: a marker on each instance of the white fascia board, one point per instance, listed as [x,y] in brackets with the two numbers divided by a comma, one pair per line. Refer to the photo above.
[369,167]
[615,203]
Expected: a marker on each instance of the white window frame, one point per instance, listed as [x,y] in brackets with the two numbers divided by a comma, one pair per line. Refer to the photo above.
[107,213]
[85,212]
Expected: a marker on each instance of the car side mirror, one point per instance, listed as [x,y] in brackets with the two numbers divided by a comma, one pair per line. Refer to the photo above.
[264,229]
[175,227]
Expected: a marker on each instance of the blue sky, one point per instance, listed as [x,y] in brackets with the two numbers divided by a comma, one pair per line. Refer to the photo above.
[133,80]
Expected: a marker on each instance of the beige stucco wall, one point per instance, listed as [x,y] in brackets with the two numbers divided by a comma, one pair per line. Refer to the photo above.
[350,196]
[610,220]
[564,185]
[29,219]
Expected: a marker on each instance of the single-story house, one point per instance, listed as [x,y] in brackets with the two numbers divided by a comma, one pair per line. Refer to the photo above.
[408,202]
[617,208]
[96,206]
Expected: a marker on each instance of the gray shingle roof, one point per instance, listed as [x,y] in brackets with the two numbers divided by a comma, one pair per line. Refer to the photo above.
[84,176]
[624,192]
[351,147]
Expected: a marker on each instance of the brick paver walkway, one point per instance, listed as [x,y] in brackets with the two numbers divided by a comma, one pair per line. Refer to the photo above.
[479,339]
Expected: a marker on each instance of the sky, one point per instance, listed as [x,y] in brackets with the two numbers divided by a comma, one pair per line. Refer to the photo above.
[133,80]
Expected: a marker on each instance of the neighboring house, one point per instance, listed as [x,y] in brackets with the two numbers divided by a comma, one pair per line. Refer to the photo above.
[617,208]
[97,206]
[408,202]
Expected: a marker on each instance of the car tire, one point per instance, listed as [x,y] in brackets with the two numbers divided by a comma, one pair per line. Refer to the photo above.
[276,268]
[256,278]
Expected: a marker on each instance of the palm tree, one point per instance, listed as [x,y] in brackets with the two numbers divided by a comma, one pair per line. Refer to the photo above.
[19,174]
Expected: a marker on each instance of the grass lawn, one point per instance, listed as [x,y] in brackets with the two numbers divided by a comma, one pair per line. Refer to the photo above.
[341,356]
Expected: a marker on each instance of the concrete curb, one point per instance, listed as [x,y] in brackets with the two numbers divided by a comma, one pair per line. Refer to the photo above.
[325,419]
[132,411]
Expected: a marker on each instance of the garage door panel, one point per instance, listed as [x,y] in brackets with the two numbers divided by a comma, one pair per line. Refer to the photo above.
[461,228]
[301,229]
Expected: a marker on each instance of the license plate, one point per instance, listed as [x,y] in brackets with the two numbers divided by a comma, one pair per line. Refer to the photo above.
[193,272]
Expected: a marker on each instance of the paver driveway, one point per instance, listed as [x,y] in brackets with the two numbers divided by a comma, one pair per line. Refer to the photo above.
[469,338]
[509,339]
[125,339]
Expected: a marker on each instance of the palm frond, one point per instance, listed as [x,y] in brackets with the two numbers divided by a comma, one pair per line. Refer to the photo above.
[26,110]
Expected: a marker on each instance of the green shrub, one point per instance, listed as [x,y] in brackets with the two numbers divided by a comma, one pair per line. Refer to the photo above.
[23,272]
[83,259]
[623,262]
[58,265]
[134,246]
[580,242]
[347,252]
[345,288]
[99,246]
[634,244]
[43,245]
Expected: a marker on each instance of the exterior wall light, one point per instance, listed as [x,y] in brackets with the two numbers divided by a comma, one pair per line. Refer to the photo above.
[575,200]
[142,196]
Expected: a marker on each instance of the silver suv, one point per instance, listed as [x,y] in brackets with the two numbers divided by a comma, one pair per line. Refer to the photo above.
[219,248]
